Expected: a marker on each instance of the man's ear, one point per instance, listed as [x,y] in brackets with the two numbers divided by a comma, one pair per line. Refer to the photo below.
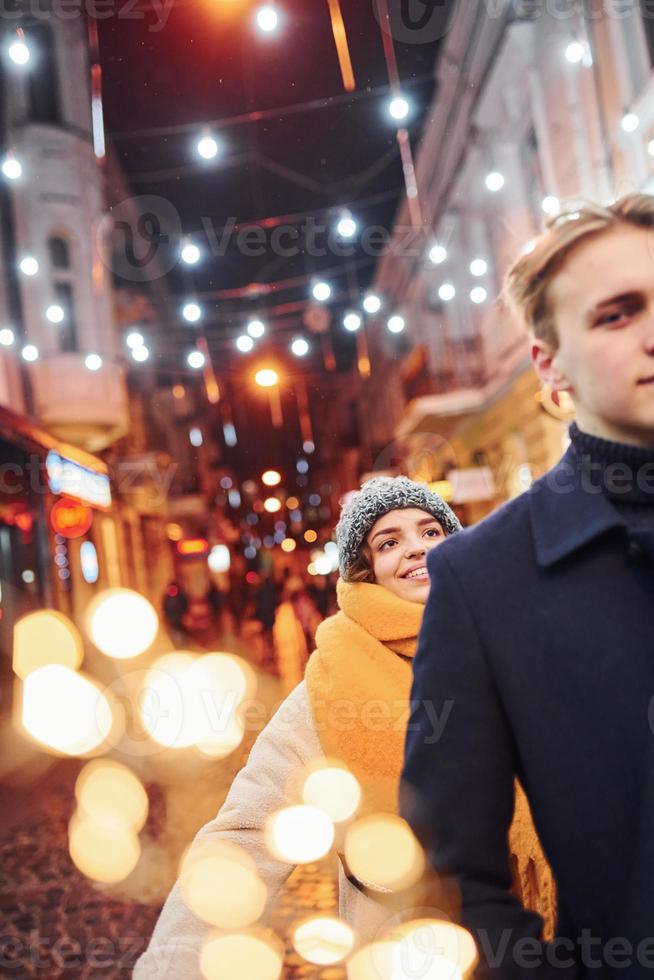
[544,359]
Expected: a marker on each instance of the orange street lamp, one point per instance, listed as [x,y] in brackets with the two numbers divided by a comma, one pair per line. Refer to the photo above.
[268,378]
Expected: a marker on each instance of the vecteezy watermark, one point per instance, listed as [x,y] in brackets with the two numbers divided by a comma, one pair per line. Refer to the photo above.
[415,21]
[589,951]
[45,952]
[141,236]
[155,14]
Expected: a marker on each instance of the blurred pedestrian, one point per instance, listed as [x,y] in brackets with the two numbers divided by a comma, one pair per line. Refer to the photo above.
[363,657]
[175,606]
[291,648]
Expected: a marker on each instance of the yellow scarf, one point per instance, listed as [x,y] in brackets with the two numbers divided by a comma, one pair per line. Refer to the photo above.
[359,684]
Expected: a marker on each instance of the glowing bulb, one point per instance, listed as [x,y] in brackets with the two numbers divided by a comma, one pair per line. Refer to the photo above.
[122,623]
[93,362]
[196,360]
[29,266]
[7,337]
[574,52]
[447,292]
[478,267]
[11,167]
[300,347]
[272,505]
[396,324]
[266,378]
[289,545]
[398,108]
[271,478]
[495,181]
[190,253]
[140,354]
[55,313]
[207,147]
[322,291]
[19,53]
[244,343]
[256,329]
[372,303]
[352,321]
[630,122]
[191,312]
[478,294]
[347,226]
[267,19]
[134,339]
[437,254]
[30,352]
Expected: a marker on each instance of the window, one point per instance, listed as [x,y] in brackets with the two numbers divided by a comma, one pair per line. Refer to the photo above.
[43,79]
[63,292]
[59,253]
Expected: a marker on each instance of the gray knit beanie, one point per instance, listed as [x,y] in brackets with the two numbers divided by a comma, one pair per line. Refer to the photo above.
[377,497]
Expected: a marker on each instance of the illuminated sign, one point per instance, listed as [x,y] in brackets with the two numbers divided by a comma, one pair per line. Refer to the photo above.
[70,518]
[74,480]
[192,547]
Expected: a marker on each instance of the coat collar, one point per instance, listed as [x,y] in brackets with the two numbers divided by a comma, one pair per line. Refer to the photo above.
[567,513]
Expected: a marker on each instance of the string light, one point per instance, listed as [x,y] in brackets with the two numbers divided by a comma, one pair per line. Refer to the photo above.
[244,343]
[30,352]
[300,347]
[398,108]
[134,339]
[437,254]
[478,267]
[267,19]
[266,378]
[93,362]
[495,181]
[11,167]
[352,321]
[372,303]
[55,313]
[347,226]
[190,253]
[478,294]
[630,122]
[322,291]
[574,52]
[6,337]
[447,292]
[196,360]
[19,52]
[396,324]
[256,329]
[207,147]
[191,312]
[29,266]
[140,354]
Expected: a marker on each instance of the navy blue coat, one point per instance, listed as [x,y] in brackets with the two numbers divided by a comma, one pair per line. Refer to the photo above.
[538,639]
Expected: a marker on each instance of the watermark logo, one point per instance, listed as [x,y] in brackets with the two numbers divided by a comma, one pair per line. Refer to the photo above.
[415,21]
[140,237]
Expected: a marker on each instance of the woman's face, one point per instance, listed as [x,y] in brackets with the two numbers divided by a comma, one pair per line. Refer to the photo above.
[398,544]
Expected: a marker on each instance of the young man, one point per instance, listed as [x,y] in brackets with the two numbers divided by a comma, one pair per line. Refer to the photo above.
[539,632]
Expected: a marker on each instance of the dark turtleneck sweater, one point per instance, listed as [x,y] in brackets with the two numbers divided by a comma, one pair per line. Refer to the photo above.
[624,473]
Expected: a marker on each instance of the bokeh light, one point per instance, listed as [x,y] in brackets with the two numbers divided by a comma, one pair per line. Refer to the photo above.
[433,948]
[64,710]
[122,623]
[272,505]
[46,637]
[299,834]
[103,852]
[220,884]
[111,794]
[334,790]
[323,940]
[383,852]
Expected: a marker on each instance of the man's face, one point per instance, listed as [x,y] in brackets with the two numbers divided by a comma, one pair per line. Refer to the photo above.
[603,306]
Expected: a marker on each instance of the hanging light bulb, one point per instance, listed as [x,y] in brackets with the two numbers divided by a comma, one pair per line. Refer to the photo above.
[396,324]
[495,181]
[207,146]
[630,122]
[447,292]
[267,19]
[478,267]
[322,291]
[575,52]
[372,303]
[478,294]
[244,343]
[7,337]
[190,253]
[437,254]
[140,353]
[134,339]
[398,108]
[352,321]
[11,167]
[347,226]
[93,362]
[300,347]
[18,51]
[30,352]
[55,313]
[191,312]
[256,329]
[29,266]
[196,360]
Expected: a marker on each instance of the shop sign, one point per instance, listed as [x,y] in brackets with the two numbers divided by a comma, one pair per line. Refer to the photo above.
[70,518]
[65,476]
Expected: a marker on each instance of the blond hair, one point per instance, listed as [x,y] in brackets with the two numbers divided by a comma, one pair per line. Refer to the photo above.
[527,282]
